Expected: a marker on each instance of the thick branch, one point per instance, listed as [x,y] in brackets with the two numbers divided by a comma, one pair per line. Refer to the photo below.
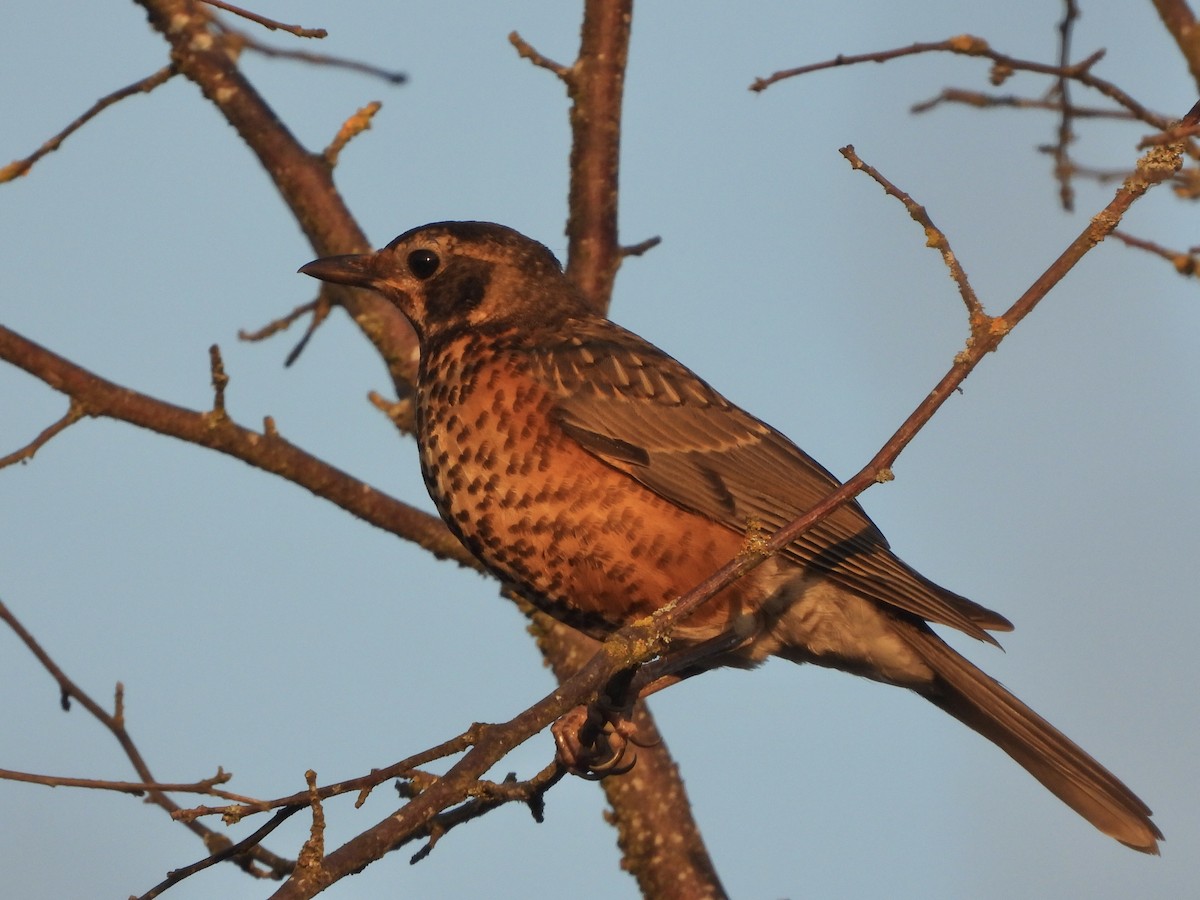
[267,450]
[304,179]
[1180,21]
[596,85]
[649,803]
[654,802]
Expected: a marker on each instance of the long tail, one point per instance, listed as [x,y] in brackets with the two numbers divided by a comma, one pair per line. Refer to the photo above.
[981,703]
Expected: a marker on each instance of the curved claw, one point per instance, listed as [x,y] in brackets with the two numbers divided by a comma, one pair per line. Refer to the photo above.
[618,746]
[602,753]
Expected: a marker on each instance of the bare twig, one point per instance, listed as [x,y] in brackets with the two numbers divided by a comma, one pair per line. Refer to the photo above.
[271,24]
[73,414]
[351,128]
[282,323]
[201,52]
[219,380]
[144,86]
[308,861]
[597,91]
[595,84]
[1062,158]
[248,844]
[137,788]
[115,723]
[265,450]
[966,44]
[242,41]
[1186,263]
[934,236]
[981,100]
[407,768]
[641,247]
[1179,132]
[525,50]
[491,795]
[969,45]
[320,309]
[1156,166]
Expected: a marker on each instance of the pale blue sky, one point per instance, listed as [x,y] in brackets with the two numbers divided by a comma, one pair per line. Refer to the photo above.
[264,631]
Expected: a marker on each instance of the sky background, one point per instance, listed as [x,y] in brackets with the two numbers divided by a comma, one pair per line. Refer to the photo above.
[259,629]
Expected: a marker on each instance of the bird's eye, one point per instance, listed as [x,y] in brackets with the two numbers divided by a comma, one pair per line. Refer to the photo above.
[423,263]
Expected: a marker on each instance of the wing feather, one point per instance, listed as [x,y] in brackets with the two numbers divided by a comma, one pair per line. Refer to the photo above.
[642,412]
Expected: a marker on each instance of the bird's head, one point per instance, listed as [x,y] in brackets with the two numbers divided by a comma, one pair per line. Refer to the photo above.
[454,275]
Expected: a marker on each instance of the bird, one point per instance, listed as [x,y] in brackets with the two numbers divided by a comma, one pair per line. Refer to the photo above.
[602,479]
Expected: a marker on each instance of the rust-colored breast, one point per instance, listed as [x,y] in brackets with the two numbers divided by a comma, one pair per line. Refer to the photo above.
[584,541]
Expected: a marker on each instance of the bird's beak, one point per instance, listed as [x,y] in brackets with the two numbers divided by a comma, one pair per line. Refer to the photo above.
[354,269]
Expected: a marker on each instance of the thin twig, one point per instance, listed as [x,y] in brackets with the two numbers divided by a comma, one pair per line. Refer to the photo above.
[219,380]
[281,324]
[351,128]
[525,50]
[1186,263]
[934,236]
[244,846]
[981,100]
[320,314]
[1062,157]
[308,860]
[240,40]
[115,723]
[144,86]
[1156,165]
[302,178]
[969,45]
[137,788]
[641,247]
[361,785]
[74,413]
[490,796]
[273,25]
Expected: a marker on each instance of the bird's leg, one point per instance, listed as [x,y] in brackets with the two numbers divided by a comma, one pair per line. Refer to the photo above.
[593,740]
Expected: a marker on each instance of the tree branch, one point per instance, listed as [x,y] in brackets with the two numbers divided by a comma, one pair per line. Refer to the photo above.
[969,45]
[595,84]
[115,723]
[304,179]
[143,86]
[1180,22]
[264,450]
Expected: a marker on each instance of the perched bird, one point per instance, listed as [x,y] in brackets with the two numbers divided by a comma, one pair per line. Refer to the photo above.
[603,478]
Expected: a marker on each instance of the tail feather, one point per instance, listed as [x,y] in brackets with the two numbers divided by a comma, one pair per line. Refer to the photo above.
[981,703]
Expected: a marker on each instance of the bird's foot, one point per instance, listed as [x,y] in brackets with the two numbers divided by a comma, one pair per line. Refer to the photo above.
[593,741]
